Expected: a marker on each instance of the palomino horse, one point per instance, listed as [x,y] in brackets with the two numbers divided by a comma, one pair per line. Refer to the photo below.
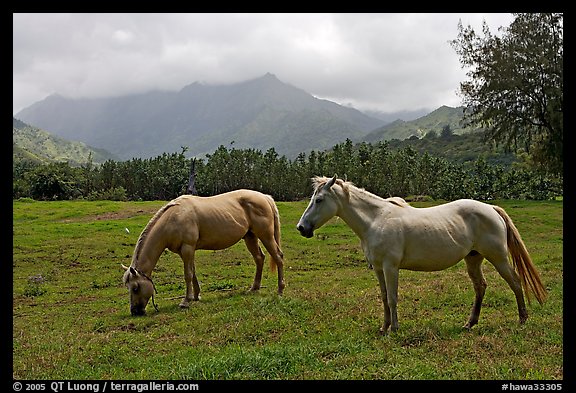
[189,223]
[396,236]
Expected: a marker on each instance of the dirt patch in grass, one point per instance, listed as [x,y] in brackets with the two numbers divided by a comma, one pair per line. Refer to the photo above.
[115,215]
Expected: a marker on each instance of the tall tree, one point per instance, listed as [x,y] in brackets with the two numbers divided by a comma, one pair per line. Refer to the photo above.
[192,179]
[516,84]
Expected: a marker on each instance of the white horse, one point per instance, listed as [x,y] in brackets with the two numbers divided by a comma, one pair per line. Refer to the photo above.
[396,236]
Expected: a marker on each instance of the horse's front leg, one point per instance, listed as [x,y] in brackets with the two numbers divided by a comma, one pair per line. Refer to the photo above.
[192,286]
[391,277]
[380,275]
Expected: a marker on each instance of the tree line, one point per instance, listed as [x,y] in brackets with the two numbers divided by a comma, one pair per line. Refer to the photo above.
[376,167]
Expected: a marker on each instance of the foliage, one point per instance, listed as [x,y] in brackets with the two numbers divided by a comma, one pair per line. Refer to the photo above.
[516,84]
[55,181]
[377,167]
[111,194]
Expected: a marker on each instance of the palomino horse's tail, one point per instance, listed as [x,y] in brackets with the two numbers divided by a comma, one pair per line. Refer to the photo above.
[521,260]
[276,229]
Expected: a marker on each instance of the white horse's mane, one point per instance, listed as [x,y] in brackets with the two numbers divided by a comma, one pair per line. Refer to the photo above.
[319,181]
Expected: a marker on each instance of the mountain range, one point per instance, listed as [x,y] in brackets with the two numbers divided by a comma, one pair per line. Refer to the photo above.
[259,113]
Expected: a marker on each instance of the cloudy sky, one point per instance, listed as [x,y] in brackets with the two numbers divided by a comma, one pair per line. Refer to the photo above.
[386,62]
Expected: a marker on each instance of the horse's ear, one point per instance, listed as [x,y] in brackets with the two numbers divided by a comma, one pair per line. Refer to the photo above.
[133,271]
[124,267]
[330,183]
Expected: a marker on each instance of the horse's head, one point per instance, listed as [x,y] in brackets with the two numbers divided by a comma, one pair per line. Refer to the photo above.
[141,289]
[323,206]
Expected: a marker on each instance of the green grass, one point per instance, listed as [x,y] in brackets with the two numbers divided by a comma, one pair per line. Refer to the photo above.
[71,316]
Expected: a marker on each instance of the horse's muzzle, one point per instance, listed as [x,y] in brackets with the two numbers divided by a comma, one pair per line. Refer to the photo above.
[137,311]
[306,232]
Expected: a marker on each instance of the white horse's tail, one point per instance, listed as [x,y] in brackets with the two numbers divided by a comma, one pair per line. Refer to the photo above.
[521,260]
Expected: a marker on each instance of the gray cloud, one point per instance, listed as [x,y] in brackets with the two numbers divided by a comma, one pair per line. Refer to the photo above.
[372,61]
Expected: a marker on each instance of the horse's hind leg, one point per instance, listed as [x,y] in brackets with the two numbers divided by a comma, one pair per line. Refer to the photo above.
[474,267]
[507,272]
[192,286]
[277,256]
[252,244]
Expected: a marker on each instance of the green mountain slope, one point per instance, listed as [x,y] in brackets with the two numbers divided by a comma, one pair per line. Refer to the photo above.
[33,144]
[434,121]
[464,148]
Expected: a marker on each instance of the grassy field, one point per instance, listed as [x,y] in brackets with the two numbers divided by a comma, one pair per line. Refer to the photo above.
[71,317]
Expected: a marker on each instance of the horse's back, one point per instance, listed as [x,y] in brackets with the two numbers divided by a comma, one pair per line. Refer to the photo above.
[437,237]
[470,215]
[221,220]
[463,207]
[228,200]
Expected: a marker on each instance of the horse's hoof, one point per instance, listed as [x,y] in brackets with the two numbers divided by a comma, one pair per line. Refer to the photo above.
[383,332]
[185,305]
[469,325]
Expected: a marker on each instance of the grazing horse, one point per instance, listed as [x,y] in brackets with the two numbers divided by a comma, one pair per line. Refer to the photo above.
[396,236]
[189,223]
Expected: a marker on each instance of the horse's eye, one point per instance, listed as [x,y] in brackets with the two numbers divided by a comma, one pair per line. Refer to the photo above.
[319,200]
[136,289]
